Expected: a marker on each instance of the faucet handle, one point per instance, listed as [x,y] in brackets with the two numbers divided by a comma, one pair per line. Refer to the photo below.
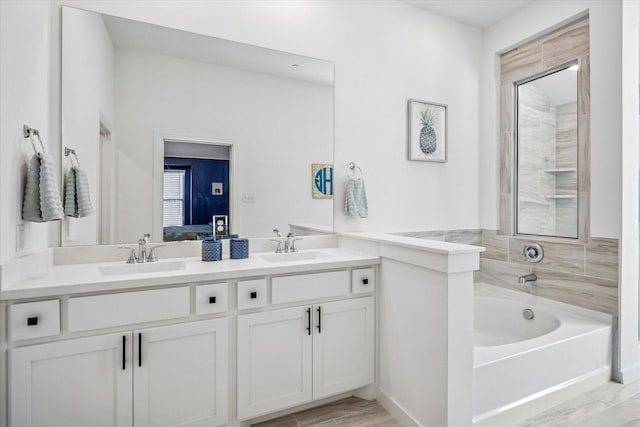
[279,248]
[145,239]
[293,248]
[151,257]
[278,234]
[132,255]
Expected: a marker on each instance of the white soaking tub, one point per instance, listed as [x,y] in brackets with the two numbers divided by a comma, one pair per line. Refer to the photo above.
[517,360]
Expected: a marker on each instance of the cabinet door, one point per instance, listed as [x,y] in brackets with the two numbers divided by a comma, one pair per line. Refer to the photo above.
[274,360]
[180,374]
[343,346]
[80,382]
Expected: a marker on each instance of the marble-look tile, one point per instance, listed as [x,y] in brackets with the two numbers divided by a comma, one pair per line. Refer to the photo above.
[375,416]
[506,107]
[521,62]
[564,257]
[588,292]
[333,410]
[504,274]
[496,247]
[505,214]
[467,237]
[506,162]
[286,421]
[477,276]
[584,207]
[570,44]
[584,85]
[584,154]
[601,258]
[330,423]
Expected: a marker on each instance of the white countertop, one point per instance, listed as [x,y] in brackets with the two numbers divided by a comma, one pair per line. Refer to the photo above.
[83,278]
[434,246]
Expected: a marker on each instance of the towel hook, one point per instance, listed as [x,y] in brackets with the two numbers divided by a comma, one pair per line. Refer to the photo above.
[71,153]
[352,167]
[28,132]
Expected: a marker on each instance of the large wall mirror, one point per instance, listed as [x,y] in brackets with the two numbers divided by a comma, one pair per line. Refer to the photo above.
[178,132]
[547,154]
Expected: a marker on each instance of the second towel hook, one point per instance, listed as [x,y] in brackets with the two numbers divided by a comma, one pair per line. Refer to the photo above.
[71,153]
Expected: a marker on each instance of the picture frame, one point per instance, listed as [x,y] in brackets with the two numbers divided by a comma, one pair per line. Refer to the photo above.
[427,131]
[321,181]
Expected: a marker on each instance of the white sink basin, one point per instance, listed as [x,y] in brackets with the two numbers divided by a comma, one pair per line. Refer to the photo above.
[295,256]
[151,267]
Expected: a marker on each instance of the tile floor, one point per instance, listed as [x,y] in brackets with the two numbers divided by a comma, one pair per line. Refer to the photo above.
[349,412]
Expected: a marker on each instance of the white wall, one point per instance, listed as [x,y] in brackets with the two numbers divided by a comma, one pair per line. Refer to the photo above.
[24,99]
[605,38]
[385,52]
[278,128]
[87,83]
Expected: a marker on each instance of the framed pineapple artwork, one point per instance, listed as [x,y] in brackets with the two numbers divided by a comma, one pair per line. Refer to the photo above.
[427,131]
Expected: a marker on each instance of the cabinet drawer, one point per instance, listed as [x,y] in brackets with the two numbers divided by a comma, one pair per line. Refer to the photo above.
[309,286]
[211,298]
[104,311]
[363,280]
[34,320]
[252,293]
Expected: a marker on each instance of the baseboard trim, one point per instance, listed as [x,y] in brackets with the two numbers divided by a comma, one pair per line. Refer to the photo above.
[396,411]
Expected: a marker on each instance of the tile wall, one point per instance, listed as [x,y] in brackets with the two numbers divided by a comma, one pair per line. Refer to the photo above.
[585,275]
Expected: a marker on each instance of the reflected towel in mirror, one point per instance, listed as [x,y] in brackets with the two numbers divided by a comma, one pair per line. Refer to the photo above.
[77,202]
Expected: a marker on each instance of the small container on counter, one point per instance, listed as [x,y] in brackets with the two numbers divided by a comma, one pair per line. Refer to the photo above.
[211,249]
[239,248]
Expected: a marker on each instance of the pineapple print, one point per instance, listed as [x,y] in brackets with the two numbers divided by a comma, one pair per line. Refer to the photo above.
[428,136]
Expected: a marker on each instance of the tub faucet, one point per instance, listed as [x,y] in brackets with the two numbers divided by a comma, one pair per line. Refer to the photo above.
[527,278]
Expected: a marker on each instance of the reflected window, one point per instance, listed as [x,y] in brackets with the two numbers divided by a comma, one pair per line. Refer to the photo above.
[173,201]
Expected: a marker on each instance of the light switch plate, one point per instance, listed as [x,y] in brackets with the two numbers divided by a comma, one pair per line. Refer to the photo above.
[248,198]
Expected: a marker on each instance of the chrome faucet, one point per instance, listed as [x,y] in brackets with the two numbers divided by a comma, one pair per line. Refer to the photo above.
[290,243]
[142,248]
[522,280]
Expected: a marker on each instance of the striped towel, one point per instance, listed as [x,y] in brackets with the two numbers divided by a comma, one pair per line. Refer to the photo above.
[355,202]
[77,202]
[41,201]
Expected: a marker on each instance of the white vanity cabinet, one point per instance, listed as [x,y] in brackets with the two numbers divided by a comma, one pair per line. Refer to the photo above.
[294,355]
[166,376]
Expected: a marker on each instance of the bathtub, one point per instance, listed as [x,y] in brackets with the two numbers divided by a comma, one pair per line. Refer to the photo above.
[517,360]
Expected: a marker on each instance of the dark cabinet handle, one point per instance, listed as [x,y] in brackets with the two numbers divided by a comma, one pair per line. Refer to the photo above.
[212,300]
[309,321]
[253,295]
[32,321]
[139,349]
[365,281]
[124,352]
[319,320]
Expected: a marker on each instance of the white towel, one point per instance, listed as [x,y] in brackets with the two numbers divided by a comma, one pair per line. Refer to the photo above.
[355,202]
[77,202]
[41,195]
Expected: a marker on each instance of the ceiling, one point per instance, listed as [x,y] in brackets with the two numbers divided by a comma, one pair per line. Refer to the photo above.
[477,13]
[129,34]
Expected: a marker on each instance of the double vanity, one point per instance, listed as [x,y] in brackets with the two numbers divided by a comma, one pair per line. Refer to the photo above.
[189,343]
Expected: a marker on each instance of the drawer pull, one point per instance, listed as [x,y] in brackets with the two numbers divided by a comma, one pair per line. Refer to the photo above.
[253,295]
[212,300]
[32,321]
[139,349]
[365,281]
[309,321]
[319,320]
